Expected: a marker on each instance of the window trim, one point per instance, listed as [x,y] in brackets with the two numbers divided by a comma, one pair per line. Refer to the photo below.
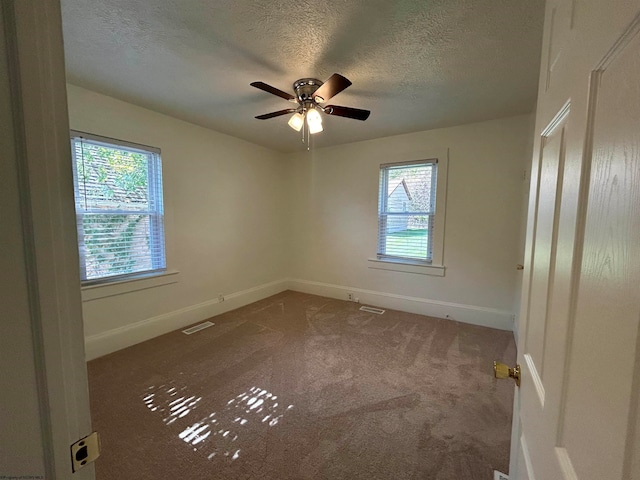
[436,265]
[408,266]
[130,284]
[111,142]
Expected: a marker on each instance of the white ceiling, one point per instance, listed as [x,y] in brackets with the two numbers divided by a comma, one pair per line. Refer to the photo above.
[416,64]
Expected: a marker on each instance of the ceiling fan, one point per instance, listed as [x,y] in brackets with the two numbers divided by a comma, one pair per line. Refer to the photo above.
[310,95]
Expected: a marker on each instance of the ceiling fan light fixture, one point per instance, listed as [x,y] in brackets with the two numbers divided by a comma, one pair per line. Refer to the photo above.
[314,120]
[296,121]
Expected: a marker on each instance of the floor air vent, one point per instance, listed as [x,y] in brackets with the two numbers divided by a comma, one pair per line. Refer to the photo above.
[377,311]
[197,328]
[500,476]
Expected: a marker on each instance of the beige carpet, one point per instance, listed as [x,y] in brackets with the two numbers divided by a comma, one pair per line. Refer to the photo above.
[298,386]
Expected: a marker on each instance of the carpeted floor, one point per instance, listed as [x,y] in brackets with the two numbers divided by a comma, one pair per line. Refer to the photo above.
[298,386]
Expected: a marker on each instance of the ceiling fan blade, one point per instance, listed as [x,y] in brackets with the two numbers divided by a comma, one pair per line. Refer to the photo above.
[273,90]
[275,114]
[348,112]
[332,87]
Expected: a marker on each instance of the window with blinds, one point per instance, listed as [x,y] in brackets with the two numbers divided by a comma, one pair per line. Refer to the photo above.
[406,210]
[119,209]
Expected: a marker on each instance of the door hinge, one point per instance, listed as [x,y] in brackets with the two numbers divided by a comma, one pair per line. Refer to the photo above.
[84,451]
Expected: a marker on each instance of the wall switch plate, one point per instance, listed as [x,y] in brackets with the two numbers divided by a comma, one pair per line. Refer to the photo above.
[84,451]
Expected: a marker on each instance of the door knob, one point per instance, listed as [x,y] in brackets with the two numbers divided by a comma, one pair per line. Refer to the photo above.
[500,370]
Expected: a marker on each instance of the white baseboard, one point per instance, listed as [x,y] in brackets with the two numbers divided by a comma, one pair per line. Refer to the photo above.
[119,338]
[486,317]
[122,337]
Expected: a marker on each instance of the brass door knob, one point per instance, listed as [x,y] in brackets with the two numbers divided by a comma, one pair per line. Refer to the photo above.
[500,370]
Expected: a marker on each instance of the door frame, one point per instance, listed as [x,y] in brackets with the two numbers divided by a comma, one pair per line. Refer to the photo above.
[37,83]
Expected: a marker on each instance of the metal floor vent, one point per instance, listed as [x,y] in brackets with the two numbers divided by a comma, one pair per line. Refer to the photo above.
[377,311]
[197,328]
[500,476]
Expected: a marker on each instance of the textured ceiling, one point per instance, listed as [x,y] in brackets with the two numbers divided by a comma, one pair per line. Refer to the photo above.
[416,64]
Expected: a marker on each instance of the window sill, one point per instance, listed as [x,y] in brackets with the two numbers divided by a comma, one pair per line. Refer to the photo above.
[133,284]
[407,266]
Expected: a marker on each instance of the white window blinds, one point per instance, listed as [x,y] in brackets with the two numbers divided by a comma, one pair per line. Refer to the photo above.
[407,207]
[118,196]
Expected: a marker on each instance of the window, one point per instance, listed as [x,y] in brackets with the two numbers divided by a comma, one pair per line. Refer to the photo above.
[119,209]
[406,213]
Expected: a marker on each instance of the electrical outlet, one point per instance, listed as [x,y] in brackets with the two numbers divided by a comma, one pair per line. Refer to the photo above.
[220,298]
[350,297]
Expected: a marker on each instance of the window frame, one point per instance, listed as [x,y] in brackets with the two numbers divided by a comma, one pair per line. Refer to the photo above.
[383,207]
[436,265]
[155,187]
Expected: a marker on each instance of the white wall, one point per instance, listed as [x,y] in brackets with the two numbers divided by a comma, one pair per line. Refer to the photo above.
[249,222]
[334,219]
[225,223]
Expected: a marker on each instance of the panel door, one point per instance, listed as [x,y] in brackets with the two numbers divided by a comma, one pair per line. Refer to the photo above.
[579,332]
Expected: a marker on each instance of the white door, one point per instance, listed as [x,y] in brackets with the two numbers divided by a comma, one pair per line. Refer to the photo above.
[579,335]
[44,402]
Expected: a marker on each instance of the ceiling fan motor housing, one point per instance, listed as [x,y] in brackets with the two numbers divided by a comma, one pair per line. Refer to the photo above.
[305,88]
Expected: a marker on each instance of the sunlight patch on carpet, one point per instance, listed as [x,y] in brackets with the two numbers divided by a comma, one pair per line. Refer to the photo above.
[217,433]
